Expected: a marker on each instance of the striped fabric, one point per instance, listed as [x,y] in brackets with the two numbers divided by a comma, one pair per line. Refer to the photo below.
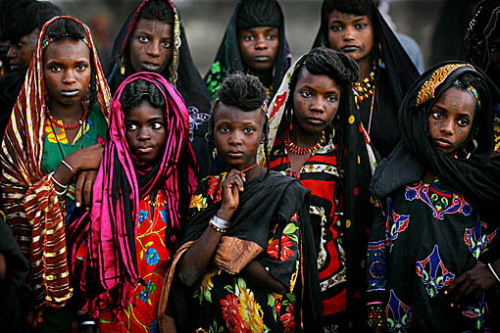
[31,204]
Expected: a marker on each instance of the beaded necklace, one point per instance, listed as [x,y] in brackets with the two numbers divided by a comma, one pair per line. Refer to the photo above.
[363,90]
[55,123]
[293,148]
[152,203]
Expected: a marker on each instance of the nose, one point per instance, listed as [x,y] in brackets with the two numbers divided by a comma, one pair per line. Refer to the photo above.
[69,77]
[235,139]
[348,33]
[144,133]
[260,43]
[317,104]
[11,54]
[447,127]
[154,49]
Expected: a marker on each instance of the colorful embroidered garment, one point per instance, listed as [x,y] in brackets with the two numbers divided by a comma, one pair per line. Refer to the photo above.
[338,179]
[394,75]
[153,257]
[268,227]
[228,59]
[26,189]
[427,234]
[116,244]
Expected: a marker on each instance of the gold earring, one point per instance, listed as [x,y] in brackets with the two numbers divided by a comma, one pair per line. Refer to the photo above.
[214,153]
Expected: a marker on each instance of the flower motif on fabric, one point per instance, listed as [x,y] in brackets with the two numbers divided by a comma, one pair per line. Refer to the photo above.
[152,257]
[288,319]
[55,134]
[279,100]
[284,252]
[250,311]
[476,239]
[396,223]
[154,327]
[143,215]
[399,315]
[35,318]
[434,274]
[196,118]
[476,313]
[214,80]
[441,201]
[377,269]
[204,291]
[147,292]
[215,188]
[231,315]
[198,202]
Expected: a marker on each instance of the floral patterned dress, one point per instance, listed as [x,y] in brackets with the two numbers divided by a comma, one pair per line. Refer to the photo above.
[153,256]
[230,303]
[425,238]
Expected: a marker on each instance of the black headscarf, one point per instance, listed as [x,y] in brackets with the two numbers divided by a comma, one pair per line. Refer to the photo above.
[396,72]
[181,72]
[476,177]
[228,59]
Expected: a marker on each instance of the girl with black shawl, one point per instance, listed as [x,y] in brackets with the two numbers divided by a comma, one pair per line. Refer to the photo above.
[254,42]
[316,136]
[356,28]
[246,263]
[431,254]
[153,39]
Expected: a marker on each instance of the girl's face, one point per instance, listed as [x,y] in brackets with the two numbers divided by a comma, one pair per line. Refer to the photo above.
[351,34]
[145,132]
[151,46]
[237,135]
[259,47]
[315,101]
[66,67]
[451,118]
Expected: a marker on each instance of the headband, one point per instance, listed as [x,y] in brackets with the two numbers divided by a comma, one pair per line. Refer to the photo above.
[471,90]
[47,40]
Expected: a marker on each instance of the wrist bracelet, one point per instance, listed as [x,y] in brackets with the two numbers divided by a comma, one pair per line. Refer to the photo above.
[65,187]
[68,166]
[493,272]
[218,224]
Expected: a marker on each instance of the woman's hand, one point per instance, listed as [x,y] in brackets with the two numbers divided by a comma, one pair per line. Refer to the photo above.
[231,188]
[87,158]
[83,188]
[471,284]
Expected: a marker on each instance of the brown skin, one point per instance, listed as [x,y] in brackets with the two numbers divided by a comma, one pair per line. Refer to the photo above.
[67,71]
[21,51]
[353,35]
[239,131]
[315,103]
[151,46]
[259,49]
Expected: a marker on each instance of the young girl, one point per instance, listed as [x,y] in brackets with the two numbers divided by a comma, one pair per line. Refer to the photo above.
[51,141]
[317,137]
[246,262]
[431,255]
[254,43]
[140,195]
[356,28]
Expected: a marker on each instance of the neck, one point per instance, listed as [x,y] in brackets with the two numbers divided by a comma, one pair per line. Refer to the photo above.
[66,113]
[266,78]
[302,138]
[365,67]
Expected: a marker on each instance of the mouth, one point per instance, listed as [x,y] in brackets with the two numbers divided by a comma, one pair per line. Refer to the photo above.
[144,149]
[235,154]
[443,143]
[69,93]
[315,121]
[150,66]
[262,59]
[350,48]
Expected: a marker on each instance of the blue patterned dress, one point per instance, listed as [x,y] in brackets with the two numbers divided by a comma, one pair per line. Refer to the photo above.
[425,237]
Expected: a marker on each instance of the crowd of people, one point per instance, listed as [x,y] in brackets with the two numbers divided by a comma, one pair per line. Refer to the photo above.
[341,192]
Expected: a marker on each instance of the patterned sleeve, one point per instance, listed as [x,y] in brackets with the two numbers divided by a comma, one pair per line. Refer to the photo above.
[282,256]
[377,269]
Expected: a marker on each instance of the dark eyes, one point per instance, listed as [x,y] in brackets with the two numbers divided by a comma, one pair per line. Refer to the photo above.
[249,38]
[156,125]
[358,26]
[308,94]
[131,127]
[145,39]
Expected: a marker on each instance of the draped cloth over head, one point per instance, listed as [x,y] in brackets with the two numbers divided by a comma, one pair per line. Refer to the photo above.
[32,207]
[395,75]
[120,184]
[356,162]
[181,72]
[228,59]
[478,177]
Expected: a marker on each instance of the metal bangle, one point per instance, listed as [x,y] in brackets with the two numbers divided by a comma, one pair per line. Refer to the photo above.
[68,166]
[493,272]
[219,223]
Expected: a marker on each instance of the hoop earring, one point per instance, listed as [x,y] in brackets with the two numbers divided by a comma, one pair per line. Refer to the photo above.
[289,115]
[474,147]
[214,153]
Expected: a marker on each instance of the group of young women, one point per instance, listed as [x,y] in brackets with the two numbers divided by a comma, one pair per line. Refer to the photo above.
[339,193]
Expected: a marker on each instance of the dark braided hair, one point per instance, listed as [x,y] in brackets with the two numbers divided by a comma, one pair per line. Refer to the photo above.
[139,91]
[483,29]
[68,28]
[245,92]
[258,13]
[157,10]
